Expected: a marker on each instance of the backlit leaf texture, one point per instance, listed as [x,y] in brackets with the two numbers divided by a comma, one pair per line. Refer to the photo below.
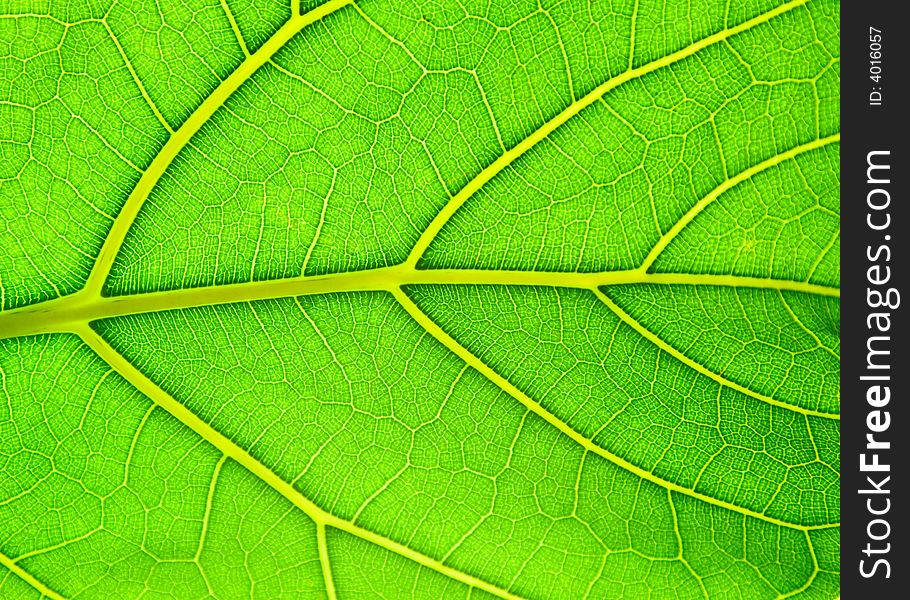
[419,299]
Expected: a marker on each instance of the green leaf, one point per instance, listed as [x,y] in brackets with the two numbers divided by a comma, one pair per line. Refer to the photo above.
[411,299]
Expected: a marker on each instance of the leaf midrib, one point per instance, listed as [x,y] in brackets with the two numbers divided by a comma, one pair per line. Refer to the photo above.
[88,303]
[63,313]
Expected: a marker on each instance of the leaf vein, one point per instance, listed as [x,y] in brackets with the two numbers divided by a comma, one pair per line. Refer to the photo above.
[24,575]
[727,185]
[136,79]
[588,444]
[231,450]
[691,363]
[185,132]
[506,159]
[62,314]
[324,562]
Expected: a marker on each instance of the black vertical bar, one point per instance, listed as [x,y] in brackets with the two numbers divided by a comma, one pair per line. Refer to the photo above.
[874,106]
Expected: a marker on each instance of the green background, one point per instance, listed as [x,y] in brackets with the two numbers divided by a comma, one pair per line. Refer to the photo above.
[419,299]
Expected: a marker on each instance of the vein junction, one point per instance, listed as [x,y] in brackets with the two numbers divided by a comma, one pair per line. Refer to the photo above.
[74,312]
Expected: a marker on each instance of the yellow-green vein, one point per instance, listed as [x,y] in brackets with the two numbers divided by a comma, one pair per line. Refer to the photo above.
[657,341]
[230,17]
[230,449]
[209,501]
[61,314]
[727,185]
[799,322]
[587,443]
[815,571]
[28,578]
[185,132]
[679,543]
[323,547]
[136,80]
[506,159]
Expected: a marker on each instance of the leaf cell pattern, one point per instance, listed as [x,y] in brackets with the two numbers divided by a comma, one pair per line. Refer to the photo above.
[409,299]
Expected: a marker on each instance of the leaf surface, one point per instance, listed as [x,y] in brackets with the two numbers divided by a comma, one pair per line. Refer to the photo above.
[406,299]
